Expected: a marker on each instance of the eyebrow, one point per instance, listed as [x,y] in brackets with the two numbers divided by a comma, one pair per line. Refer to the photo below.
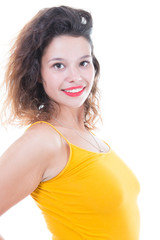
[61,59]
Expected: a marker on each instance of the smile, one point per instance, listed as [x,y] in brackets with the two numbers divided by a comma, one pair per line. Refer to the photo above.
[74,91]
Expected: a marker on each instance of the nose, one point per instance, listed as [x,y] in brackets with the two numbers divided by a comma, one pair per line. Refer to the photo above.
[73,74]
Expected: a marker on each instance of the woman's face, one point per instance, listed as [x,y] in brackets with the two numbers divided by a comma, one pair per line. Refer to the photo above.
[67,70]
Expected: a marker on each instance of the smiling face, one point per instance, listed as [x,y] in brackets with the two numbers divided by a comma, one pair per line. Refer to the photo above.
[67,70]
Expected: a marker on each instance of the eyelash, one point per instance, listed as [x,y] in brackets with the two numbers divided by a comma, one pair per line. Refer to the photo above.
[81,64]
[57,65]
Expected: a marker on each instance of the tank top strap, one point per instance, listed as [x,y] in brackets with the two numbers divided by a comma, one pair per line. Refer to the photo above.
[50,126]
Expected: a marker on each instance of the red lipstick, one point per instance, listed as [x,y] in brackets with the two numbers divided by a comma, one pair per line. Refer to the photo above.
[74,91]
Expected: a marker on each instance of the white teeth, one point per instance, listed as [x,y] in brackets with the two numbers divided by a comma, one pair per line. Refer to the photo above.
[74,90]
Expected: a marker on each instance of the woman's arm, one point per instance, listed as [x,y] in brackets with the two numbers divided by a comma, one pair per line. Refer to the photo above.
[22,166]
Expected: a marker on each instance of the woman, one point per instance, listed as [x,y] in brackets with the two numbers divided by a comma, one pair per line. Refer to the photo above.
[83,188]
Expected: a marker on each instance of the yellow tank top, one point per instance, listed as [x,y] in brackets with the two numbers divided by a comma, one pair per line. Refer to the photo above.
[93,198]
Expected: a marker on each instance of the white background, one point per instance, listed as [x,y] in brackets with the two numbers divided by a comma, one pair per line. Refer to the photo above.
[127,43]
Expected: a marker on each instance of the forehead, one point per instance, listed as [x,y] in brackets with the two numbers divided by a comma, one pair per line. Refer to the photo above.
[67,45]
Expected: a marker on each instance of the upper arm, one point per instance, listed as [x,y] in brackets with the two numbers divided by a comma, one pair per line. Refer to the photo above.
[22,167]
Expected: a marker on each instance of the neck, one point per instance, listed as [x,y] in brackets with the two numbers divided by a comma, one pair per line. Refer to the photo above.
[70,118]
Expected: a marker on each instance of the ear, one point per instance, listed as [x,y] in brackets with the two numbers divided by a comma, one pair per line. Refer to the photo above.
[40,80]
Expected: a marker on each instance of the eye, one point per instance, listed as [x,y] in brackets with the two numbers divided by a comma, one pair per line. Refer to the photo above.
[58,66]
[84,63]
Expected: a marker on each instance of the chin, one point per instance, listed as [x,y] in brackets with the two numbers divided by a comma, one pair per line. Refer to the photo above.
[73,104]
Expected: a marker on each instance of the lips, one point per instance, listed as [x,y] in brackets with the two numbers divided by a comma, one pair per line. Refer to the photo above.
[74,91]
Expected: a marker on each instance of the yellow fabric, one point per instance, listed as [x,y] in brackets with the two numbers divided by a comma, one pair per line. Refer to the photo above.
[93,198]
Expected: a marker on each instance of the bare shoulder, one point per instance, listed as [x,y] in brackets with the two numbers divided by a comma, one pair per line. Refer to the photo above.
[38,141]
[42,135]
[23,164]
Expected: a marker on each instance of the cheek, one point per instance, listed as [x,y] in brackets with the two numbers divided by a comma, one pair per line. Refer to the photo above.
[48,79]
[91,75]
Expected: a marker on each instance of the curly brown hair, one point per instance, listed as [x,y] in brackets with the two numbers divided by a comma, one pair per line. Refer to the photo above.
[26,100]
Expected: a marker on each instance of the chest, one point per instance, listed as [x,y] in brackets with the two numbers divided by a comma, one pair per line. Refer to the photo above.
[101,182]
